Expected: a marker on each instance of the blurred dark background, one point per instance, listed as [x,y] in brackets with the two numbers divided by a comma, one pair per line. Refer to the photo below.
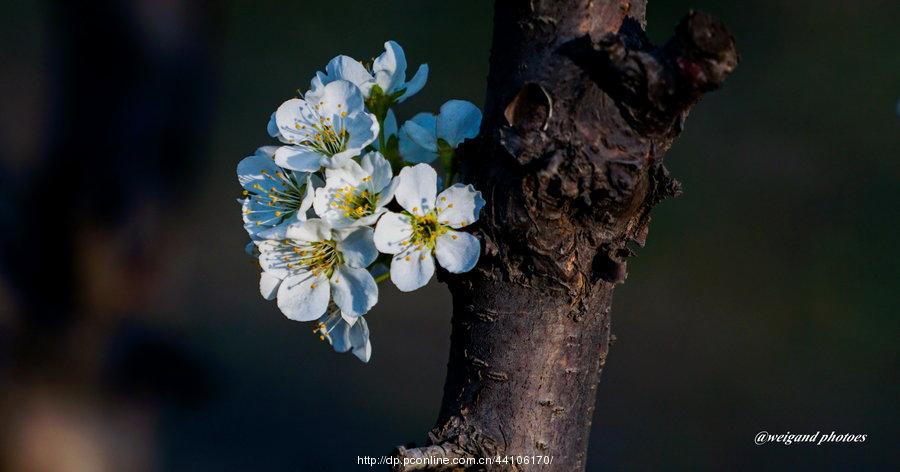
[133,337]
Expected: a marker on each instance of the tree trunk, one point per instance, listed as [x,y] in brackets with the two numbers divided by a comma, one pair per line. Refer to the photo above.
[580,110]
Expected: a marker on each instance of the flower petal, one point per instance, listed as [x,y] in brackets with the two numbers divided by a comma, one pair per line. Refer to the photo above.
[311,230]
[270,260]
[316,87]
[390,67]
[347,68]
[351,173]
[412,269]
[413,153]
[257,217]
[357,246]
[377,167]
[298,158]
[416,83]
[278,231]
[417,189]
[459,120]
[354,290]
[392,230]
[268,285]
[293,118]
[459,205]
[363,129]
[250,169]
[417,141]
[457,252]
[364,352]
[340,96]
[421,130]
[304,297]
[369,220]
[340,335]
[272,128]
[307,198]
[387,193]
[359,333]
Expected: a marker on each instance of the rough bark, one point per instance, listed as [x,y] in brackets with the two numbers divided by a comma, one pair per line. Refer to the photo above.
[580,110]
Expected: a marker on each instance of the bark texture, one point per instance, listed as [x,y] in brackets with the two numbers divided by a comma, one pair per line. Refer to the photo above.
[580,109]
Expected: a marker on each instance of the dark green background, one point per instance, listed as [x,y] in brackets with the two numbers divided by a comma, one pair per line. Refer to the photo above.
[765,299]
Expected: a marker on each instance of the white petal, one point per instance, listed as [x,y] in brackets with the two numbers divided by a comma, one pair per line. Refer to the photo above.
[423,146]
[413,153]
[357,246]
[340,96]
[347,68]
[316,87]
[250,170]
[350,320]
[419,135]
[322,203]
[272,127]
[291,116]
[416,83]
[266,151]
[268,285]
[359,332]
[387,193]
[369,220]
[459,120]
[392,230]
[417,189]
[363,130]
[307,198]
[457,252]
[270,259]
[298,158]
[340,159]
[339,335]
[376,166]
[279,231]
[390,67]
[412,269]
[311,230]
[351,173]
[304,297]
[459,205]
[354,290]
[426,135]
[364,352]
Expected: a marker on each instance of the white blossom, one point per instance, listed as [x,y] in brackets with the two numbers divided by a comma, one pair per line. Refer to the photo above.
[388,72]
[314,264]
[272,197]
[345,333]
[427,228]
[317,206]
[356,194]
[326,132]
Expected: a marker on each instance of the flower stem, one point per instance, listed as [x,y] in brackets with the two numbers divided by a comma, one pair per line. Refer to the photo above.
[382,277]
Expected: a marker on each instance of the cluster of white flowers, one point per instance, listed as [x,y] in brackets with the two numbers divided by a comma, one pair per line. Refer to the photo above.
[348,194]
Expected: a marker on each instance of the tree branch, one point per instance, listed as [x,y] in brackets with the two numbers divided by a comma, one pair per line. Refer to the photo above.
[657,86]
[580,109]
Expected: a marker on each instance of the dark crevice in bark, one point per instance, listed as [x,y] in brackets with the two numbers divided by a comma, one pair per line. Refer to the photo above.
[579,112]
